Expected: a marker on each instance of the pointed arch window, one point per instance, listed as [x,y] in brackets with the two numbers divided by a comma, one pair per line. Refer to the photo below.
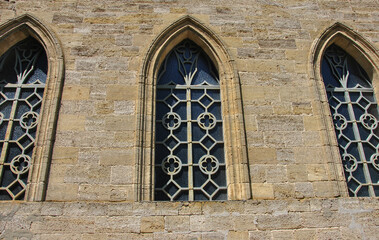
[187,141]
[189,148]
[23,71]
[355,115]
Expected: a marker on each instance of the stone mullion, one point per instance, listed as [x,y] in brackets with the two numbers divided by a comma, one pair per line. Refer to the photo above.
[191,195]
[359,142]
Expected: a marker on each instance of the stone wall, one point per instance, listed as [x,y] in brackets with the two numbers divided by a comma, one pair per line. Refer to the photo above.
[290,153]
[343,218]
[295,173]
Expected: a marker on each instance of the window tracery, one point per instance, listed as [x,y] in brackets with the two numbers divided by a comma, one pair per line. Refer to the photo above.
[355,116]
[23,71]
[189,147]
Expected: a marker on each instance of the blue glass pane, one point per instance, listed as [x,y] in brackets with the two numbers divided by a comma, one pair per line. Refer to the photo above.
[6,108]
[182,196]
[160,153]
[182,153]
[215,109]
[348,131]
[196,110]
[204,72]
[3,129]
[9,92]
[17,131]
[13,151]
[161,132]
[26,92]
[162,179]
[169,71]
[199,177]
[161,110]
[363,192]
[374,173]
[198,152]
[196,93]
[200,196]
[182,177]
[216,132]
[215,94]
[343,110]
[163,93]
[181,132]
[197,132]
[22,107]
[219,178]
[181,110]
[218,152]
[363,132]
[359,174]
[221,195]
[8,177]
[180,93]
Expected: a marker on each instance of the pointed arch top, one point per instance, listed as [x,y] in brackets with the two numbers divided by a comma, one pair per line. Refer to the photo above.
[349,40]
[190,28]
[12,32]
[21,27]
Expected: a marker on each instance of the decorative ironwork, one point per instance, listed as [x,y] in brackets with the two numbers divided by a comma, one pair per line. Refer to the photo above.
[189,147]
[23,71]
[355,112]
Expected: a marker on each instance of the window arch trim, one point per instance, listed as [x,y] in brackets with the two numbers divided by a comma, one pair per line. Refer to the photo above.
[367,56]
[234,134]
[12,32]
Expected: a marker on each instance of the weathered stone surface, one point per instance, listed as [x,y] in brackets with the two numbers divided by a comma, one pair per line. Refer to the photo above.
[294,170]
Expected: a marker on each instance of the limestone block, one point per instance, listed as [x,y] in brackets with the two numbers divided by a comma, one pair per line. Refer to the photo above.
[121,92]
[297,173]
[120,123]
[238,235]
[284,190]
[122,175]
[301,234]
[65,155]
[244,223]
[258,235]
[152,224]
[177,223]
[93,192]
[304,190]
[87,174]
[117,224]
[62,192]
[280,123]
[260,155]
[70,122]
[262,191]
[282,221]
[75,92]
[282,234]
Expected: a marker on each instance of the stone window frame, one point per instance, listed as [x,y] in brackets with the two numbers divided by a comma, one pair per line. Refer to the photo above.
[187,27]
[368,57]
[12,32]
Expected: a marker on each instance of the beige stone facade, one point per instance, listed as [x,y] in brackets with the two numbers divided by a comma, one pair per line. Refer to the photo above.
[92,177]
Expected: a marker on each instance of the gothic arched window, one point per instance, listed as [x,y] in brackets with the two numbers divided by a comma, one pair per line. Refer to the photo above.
[189,147]
[355,115]
[23,71]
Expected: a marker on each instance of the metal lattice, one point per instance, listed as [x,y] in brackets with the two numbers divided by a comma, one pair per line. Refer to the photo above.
[355,112]
[22,81]
[189,147]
